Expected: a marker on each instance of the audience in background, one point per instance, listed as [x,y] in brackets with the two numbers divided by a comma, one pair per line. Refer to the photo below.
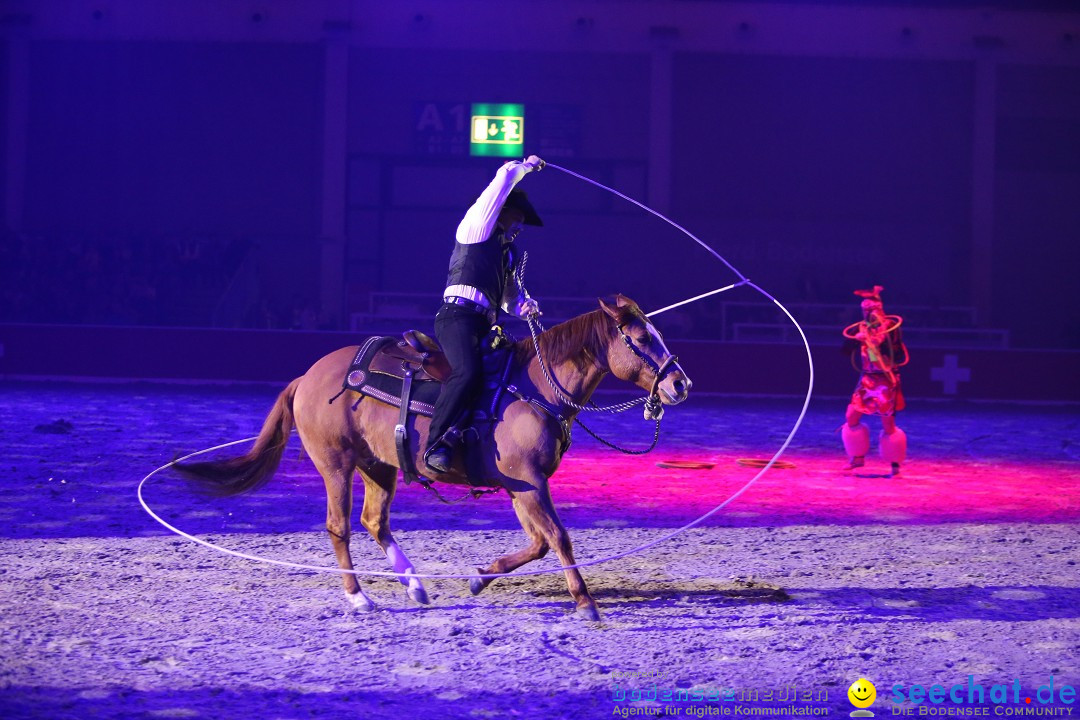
[127,280]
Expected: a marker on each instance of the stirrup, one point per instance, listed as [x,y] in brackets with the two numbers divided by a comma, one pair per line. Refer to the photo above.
[450,439]
[448,442]
[441,449]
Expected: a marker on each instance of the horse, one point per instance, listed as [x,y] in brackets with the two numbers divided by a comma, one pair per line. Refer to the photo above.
[520,455]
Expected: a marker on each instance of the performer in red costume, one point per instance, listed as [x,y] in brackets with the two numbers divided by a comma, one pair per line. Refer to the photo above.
[877,344]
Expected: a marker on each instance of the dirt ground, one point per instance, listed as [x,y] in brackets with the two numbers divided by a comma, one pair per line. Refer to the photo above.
[965,565]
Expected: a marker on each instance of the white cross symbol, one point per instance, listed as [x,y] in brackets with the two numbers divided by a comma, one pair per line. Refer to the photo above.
[950,374]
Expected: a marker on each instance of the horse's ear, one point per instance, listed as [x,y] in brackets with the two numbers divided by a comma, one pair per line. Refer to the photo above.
[611,310]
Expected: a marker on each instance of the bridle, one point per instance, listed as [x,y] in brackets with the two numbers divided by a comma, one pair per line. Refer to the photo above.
[661,371]
[653,404]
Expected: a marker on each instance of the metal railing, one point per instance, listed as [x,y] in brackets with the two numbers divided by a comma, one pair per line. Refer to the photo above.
[737,321]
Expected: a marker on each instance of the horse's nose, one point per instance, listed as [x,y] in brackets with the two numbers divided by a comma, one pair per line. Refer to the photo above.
[682,387]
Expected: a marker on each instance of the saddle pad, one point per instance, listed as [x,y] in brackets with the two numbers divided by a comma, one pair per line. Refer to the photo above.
[387,388]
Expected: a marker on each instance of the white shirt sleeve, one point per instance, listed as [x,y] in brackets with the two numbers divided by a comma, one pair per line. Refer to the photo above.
[480,219]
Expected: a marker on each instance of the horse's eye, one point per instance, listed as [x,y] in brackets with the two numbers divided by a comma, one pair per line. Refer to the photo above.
[645,340]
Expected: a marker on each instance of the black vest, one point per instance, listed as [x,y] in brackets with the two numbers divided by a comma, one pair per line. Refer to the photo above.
[484,265]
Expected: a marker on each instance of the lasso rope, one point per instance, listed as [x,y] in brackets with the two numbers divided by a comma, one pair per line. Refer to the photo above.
[588,563]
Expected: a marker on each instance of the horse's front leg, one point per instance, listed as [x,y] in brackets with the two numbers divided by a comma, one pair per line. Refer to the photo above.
[537,548]
[380,483]
[537,506]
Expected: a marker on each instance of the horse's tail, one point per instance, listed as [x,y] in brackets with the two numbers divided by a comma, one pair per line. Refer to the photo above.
[255,468]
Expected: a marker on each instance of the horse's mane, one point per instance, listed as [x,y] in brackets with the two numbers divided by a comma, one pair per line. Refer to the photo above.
[590,332]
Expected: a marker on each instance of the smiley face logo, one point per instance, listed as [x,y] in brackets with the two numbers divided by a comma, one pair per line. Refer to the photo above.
[862,693]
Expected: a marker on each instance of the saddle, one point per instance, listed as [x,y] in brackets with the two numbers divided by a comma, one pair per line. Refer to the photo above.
[408,373]
[414,349]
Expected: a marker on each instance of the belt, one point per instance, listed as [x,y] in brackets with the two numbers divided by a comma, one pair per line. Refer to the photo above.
[474,306]
[468,292]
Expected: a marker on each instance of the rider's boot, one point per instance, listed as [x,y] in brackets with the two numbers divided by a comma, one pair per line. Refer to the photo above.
[441,453]
[438,458]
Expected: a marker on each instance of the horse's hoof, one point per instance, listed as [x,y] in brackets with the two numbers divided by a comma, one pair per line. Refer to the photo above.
[360,602]
[477,584]
[588,612]
[415,587]
[419,594]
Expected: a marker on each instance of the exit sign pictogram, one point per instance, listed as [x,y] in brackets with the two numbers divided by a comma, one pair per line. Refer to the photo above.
[497,130]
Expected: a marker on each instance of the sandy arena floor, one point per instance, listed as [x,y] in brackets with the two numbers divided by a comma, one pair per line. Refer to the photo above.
[965,565]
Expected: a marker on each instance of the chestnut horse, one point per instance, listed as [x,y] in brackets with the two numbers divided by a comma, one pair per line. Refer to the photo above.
[520,455]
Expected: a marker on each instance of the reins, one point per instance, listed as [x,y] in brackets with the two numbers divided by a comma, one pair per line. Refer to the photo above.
[474,492]
[653,404]
[613,446]
[560,393]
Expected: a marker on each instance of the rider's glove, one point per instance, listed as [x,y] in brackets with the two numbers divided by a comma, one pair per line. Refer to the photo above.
[528,308]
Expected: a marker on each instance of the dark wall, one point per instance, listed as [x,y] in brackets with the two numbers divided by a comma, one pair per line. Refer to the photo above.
[813,175]
[612,90]
[4,160]
[1037,205]
[829,174]
[174,137]
[277,357]
[406,203]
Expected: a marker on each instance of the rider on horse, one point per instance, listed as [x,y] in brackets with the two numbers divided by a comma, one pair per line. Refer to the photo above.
[480,282]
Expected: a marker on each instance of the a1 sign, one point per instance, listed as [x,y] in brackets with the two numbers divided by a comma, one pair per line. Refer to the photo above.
[441,128]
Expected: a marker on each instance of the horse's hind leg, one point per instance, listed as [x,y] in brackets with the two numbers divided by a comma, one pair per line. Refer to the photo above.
[380,483]
[337,472]
[536,549]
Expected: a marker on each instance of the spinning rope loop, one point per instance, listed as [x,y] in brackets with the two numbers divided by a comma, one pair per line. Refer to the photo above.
[851,332]
[772,462]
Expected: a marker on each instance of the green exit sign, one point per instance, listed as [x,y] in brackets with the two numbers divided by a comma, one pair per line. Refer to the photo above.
[497,130]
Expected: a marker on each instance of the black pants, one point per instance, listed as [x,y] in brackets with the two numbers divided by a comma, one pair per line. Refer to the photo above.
[461,333]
